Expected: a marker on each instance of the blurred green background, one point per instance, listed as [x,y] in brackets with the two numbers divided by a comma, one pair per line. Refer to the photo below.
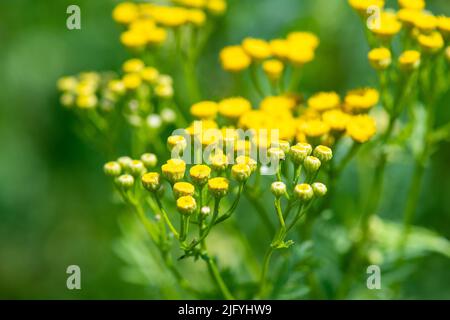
[55,208]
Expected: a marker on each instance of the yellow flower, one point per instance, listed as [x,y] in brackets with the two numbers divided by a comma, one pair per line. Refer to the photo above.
[304,192]
[280,48]
[157,36]
[218,187]
[150,74]
[67,84]
[234,59]
[204,110]
[116,86]
[112,169]
[191,3]
[412,4]
[277,104]
[196,17]
[133,39]
[361,100]
[444,26]
[87,101]
[133,66]
[131,81]
[174,170]
[186,205]
[386,26]
[380,58]
[164,91]
[303,39]
[233,108]
[336,119]
[362,5]
[409,60]
[323,101]
[258,49]
[151,181]
[408,16]
[200,173]
[241,172]
[361,128]
[323,153]
[176,141]
[276,153]
[181,189]
[273,69]
[426,22]
[170,16]
[431,43]
[143,25]
[125,12]
[217,7]
[300,55]
[315,129]
[218,161]
[247,161]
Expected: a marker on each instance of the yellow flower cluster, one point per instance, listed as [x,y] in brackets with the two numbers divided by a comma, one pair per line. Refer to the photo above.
[80,91]
[297,49]
[147,23]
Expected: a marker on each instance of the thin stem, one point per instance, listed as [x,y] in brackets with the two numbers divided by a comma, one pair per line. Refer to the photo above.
[166,217]
[266,265]
[215,275]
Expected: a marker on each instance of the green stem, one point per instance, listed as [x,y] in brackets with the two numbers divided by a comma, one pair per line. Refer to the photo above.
[215,275]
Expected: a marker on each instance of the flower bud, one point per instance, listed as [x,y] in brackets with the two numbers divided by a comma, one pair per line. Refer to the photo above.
[186,205]
[380,58]
[174,170]
[125,181]
[205,211]
[151,181]
[137,168]
[149,160]
[218,187]
[283,145]
[112,169]
[248,161]
[409,60]
[241,172]
[178,142]
[276,153]
[320,189]
[323,153]
[181,189]
[311,164]
[125,163]
[304,192]
[278,189]
[219,162]
[299,152]
[200,174]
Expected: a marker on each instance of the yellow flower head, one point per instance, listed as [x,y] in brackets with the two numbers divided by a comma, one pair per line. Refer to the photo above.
[133,39]
[241,172]
[408,16]
[218,187]
[426,22]
[412,4]
[323,101]
[67,84]
[116,86]
[247,161]
[387,26]
[336,119]
[234,59]
[432,42]
[204,110]
[200,173]
[186,205]
[304,192]
[125,12]
[131,81]
[171,17]
[361,100]
[176,141]
[157,36]
[362,5]
[277,104]
[151,181]
[380,58]
[150,75]
[133,66]
[409,60]
[444,26]
[196,17]
[258,49]
[87,101]
[361,128]
[315,128]
[217,7]
[233,108]
[280,48]
[300,55]
[273,69]
[174,170]
[219,161]
[303,39]
[181,189]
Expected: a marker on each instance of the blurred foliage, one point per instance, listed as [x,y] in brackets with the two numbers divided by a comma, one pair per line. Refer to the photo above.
[54,208]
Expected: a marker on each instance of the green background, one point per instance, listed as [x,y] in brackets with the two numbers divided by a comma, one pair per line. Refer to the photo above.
[55,208]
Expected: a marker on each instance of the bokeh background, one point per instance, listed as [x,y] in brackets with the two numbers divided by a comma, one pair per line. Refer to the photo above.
[55,208]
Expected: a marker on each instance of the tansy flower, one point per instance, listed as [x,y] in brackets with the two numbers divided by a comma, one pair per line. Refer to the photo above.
[273,69]
[303,39]
[304,192]
[241,172]
[444,26]
[300,55]
[426,22]
[362,5]
[125,12]
[200,174]
[176,141]
[116,86]
[196,17]
[87,101]
[174,170]
[361,100]
[386,26]
[431,43]
[149,74]
[361,128]
[133,66]
[204,110]
[186,205]
[258,49]
[218,187]
[67,84]
[156,36]
[164,91]
[151,181]
[181,189]
[216,7]
[408,16]
[323,101]
[380,58]
[409,60]
[315,128]
[336,119]
[234,59]
[276,104]
[247,161]
[233,108]
[279,48]
[412,4]
[299,152]
[170,16]
[218,161]
[133,39]
[131,81]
